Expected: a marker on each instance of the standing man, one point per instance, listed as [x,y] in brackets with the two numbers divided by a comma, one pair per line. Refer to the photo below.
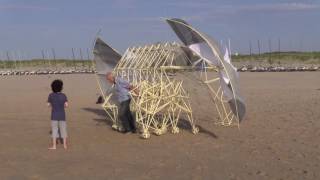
[122,89]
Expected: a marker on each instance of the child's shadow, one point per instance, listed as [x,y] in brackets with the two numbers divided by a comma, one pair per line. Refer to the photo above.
[101,113]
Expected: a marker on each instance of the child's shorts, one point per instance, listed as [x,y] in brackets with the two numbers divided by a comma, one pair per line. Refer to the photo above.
[59,125]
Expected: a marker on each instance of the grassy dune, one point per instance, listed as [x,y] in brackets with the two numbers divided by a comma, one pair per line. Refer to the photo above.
[280,58]
[283,58]
[40,63]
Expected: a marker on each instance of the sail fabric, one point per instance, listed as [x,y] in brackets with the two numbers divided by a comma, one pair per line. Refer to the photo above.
[106,58]
[208,50]
[226,56]
[204,51]
[227,60]
[194,41]
[187,36]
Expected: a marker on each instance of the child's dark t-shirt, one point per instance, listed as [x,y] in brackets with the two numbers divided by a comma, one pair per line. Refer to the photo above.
[57,101]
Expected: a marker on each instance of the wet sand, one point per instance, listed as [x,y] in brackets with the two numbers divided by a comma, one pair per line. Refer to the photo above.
[279,138]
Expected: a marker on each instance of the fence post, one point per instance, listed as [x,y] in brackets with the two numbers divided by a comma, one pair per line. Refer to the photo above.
[89,60]
[9,59]
[259,50]
[73,59]
[81,58]
[54,57]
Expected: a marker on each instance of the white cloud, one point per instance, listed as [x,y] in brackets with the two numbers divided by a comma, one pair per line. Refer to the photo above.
[24,7]
[218,7]
[204,11]
[281,7]
[129,20]
[124,4]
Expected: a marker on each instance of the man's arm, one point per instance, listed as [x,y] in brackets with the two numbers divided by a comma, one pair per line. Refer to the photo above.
[135,89]
[127,85]
[66,104]
[49,101]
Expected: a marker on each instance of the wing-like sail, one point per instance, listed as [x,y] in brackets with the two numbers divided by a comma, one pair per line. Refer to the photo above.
[208,50]
[106,58]
[194,41]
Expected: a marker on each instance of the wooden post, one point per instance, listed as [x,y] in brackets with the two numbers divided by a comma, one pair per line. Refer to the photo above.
[3,61]
[259,50]
[73,59]
[89,59]
[8,60]
[250,48]
[54,57]
[81,58]
[270,50]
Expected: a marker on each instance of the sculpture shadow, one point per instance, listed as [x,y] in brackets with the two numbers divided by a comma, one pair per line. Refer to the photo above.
[101,113]
[184,124]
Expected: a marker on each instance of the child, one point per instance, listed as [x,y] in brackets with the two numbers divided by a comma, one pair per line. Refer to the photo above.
[58,101]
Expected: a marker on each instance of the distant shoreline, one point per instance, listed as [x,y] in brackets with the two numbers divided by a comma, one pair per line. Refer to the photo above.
[278,58]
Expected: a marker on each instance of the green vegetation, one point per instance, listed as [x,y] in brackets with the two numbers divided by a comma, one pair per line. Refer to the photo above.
[268,58]
[280,57]
[40,63]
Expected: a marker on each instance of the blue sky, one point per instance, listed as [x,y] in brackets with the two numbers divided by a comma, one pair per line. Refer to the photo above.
[32,25]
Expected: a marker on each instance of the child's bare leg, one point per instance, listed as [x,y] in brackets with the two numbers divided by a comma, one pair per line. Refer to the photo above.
[65,143]
[54,144]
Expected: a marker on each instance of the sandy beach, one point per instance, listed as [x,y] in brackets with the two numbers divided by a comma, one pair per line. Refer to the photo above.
[279,138]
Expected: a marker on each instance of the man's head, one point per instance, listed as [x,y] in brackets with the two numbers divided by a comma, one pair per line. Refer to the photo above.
[110,78]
